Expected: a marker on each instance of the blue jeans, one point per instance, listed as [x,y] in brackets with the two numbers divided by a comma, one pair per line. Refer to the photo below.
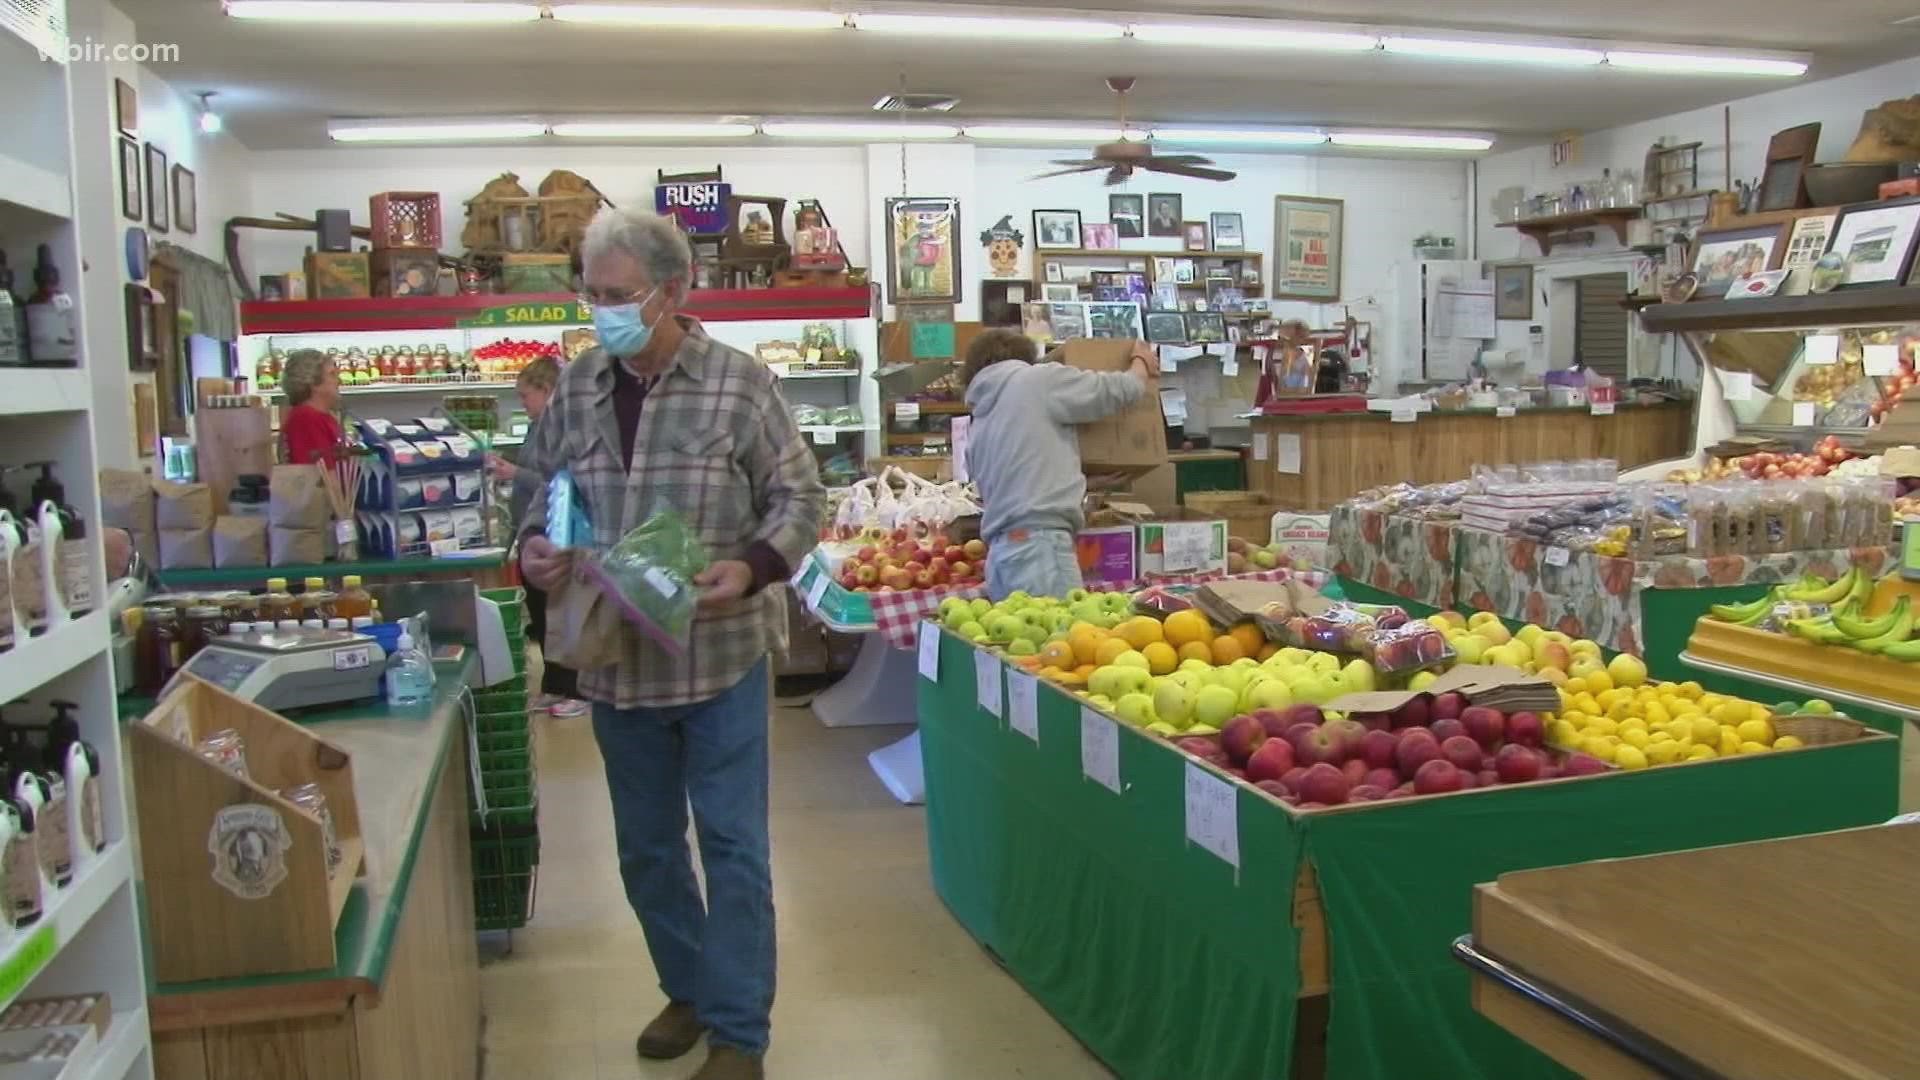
[716,956]
[1041,561]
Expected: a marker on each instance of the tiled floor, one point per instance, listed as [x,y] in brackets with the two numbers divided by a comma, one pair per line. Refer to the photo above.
[877,981]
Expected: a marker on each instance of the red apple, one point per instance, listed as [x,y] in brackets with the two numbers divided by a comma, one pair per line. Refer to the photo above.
[1291,781]
[1274,788]
[915,566]
[953,552]
[1366,793]
[1384,779]
[961,569]
[1376,749]
[1489,778]
[1305,714]
[1199,745]
[1526,729]
[1324,784]
[924,580]
[1355,771]
[866,554]
[1415,713]
[1517,764]
[1448,727]
[1372,721]
[1401,792]
[1463,752]
[1273,720]
[1319,746]
[1297,731]
[900,536]
[1241,736]
[867,574]
[1449,705]
[1435,777]
[1582,765]
[1271,761]
[1412,753]
[893,577]
[1415,733]
[1487,726]
[1469,780]
[1549,771]
[1347,733]
[974,549]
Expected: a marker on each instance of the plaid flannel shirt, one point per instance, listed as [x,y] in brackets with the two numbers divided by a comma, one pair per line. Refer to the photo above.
[716,443]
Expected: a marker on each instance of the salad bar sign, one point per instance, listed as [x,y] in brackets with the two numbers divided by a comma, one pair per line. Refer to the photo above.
[567,313]
[700,206]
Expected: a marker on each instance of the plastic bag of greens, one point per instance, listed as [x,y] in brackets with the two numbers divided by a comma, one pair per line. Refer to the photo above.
[648,575]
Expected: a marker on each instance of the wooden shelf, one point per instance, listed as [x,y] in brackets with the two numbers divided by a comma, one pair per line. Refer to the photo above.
[1543,230]
[942,408]
[450,312]
[1116,253]
[1876,306]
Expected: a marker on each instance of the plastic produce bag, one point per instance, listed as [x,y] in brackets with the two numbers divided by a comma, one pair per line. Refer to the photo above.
[648,575]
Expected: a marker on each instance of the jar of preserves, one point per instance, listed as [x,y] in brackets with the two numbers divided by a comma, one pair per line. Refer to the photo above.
[310,798]
[316,602]
[157,650]
[205,624]
[226,749]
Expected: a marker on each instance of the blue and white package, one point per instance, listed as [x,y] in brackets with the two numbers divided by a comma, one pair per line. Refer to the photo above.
[567,522]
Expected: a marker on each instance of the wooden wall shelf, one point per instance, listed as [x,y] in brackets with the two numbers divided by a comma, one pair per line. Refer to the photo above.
[1543,230]
[1843,307]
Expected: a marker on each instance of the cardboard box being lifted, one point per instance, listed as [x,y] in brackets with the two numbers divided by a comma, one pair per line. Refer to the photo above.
[1132,441]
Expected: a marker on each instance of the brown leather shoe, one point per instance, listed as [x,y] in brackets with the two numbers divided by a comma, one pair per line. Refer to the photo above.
[671,1034]
[726,1063]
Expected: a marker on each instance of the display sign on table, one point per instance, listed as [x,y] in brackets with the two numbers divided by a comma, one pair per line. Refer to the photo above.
[1100,749]
[930,651]
[1213,814]
[700,206]
[1023,704]
[986,681]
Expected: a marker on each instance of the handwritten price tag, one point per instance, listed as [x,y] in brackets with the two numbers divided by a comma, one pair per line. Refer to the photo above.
[906,410]
[986,681]
[1100,750]
[929,652]
[1602,408]
[1557,556]
[1823,348]
[1023,704]
[1213,814]
[1504,412]
[1404,416]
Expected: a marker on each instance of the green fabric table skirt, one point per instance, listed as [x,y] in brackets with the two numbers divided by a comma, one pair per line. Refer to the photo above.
[1170,964]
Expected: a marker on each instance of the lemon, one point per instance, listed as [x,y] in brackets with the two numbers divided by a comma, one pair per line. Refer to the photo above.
[1754,748]
[1623,711]
[1691,690]
[1656,713]
[1601,725]
[1562,733]
[1634,737]
[1587,704]
[1757,711]
[1758,730]
[1599,748]
[1705,731]
[1633,723]
[1729,713]
[1711,701]
[1599,681]
[1787,742]
[1701,751]
[1664,753]
[1729,742]
[1657,737]
[1683,707]
[1566,698]
[1629,757]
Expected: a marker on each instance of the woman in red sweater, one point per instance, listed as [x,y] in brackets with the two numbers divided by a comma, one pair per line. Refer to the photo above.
[309,434]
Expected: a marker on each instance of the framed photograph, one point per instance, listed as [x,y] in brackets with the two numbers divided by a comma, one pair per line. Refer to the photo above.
[126,109]
[143,342]
[1163,215]
[1228,233]
[1307,235]
[1224,295]
[1060,293]
[1054,273]
[132,204]
[1877,241]
[923,259]
[1166,296]
[1067,321]
[1206,327]
[1783,185]
[1183,272]
[1035,321]
[1056,229]
[186,201]
[156,188]
[1721,255]
[1128,214]
[1195,235]
[1513,292]
[1100,237]
[1808,241]
[1078,275]
[1166,328]
[1001,301]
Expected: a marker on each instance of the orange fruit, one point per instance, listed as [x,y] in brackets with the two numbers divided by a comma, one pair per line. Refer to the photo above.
[1227,649]
[1086,646]
[1057,654]
[1197,650]
[1083,671]
[1186,627]
[1249,636]
[1140,631]
[1109,650]
[1266,651]
[1161,658]
[1070,678]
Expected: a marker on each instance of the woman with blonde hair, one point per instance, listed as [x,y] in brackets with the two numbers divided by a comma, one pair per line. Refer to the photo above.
[309,432]
[558,685]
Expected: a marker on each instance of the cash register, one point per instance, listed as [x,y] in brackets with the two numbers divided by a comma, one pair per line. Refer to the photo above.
[293,669]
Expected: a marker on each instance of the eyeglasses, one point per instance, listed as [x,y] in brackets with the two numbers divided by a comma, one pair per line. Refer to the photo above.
[610,298]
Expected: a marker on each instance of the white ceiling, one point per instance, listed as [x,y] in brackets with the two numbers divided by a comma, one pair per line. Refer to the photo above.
[279,83]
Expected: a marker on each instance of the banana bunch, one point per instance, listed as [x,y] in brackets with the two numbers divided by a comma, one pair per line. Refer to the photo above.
[1810,598]
[1889,634]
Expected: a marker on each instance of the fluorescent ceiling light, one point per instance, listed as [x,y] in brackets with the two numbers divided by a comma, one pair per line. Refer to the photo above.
[855,129]
[1501,51]
[450,131]
[1045,133]
[1241,136]
[1388,141]
[990,26]
[1693,64]
[654,129]
[380,11]
[1252,35]
[716,18]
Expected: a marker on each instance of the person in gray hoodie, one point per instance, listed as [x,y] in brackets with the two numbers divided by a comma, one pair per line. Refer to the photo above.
[1024,454]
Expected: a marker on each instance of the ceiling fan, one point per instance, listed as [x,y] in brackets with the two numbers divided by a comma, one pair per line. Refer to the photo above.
[1121,159]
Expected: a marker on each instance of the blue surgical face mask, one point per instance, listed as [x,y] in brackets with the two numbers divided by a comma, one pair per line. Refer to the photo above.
[623,331]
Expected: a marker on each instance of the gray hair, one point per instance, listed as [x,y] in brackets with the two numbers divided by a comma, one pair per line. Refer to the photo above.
[655,242]
[304,370]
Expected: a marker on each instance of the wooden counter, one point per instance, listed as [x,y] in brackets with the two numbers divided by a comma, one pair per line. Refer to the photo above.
[1342,454]
[403,1001]
[1784,958]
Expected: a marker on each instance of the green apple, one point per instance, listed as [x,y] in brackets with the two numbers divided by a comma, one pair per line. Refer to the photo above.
[1101,702]
[1021,647]
[1203,729]
[1268,694]
[1215,705]
[980,605]
[1005,628]
[1162,729]
[1135,709]
[1131,680]
[1818,706]
[1245,663]
[1133,658]
[1294,655]
[1076,595]
[1313,689]
[972,631]
[1200,666]
[1173,702]
[1324,663]
[1359,676]
[950,605]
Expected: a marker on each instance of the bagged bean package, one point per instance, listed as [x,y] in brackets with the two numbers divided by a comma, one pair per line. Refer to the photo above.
[186,549]
[297,498]
[239,541]
[182,506]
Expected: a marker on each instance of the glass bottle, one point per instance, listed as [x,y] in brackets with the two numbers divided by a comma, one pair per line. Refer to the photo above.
[353,600]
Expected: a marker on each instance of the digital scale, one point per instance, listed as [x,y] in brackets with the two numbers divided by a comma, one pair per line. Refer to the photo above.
[293,669]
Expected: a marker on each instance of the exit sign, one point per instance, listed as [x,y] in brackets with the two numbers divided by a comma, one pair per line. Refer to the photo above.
[700,206]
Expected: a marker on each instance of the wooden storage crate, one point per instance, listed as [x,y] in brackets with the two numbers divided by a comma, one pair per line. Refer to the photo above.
[338,275]
[1248,514]
[525,273]
[405,219]
[405,271]
[236,875]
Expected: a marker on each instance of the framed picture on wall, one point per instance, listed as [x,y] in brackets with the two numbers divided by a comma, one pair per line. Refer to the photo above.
[1099,236]
[1307,237]
[1513,292]
[1228,234]
[157,215]
[1001,301]
[1166,328]
[923,255]
[1163,215]
[1128,214]
[186,201]
[1206,327]
[1195,235]
[1878,241]
[1721,255]
[126,108]
[132,204]
[1061,293]
[1056,229]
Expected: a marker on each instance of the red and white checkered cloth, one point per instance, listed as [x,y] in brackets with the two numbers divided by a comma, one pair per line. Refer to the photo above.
[897,615]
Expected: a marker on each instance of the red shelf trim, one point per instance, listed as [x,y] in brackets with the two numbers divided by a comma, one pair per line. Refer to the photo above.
[446,312]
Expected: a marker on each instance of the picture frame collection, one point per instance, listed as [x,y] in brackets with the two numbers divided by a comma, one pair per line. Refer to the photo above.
[154,190]
[1877,245]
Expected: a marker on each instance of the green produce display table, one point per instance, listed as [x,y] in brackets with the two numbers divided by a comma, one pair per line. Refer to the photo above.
[1167,962]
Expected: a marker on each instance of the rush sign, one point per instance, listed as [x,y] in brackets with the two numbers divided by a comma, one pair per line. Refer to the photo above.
[700,206]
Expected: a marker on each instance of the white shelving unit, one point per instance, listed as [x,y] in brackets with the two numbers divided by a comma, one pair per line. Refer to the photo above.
[89,935]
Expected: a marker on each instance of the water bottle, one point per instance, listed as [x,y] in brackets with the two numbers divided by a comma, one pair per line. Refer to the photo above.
[409,675]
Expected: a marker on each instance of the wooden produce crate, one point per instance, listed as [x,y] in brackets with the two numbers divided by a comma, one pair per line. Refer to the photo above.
[405,219]
[1781,656]
[236,875]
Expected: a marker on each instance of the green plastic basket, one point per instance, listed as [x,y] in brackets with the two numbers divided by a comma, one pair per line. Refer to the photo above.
[495,723]
[501,701]
[497,741]
[517,760]
[510,808]
[505,868]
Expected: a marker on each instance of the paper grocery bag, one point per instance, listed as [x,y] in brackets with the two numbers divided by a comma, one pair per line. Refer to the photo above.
[584,630]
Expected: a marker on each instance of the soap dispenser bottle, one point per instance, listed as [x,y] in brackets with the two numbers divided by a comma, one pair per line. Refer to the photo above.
[53,838]
[78,763]
[30,795]
[72,557]
[7,539]
[29,592]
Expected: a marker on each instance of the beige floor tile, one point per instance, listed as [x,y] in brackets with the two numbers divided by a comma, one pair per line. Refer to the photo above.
[877,981]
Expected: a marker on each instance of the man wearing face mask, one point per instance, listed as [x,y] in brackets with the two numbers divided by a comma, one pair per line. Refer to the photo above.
[661,415]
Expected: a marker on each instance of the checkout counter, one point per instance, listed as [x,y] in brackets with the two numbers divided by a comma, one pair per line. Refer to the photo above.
[402,998]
